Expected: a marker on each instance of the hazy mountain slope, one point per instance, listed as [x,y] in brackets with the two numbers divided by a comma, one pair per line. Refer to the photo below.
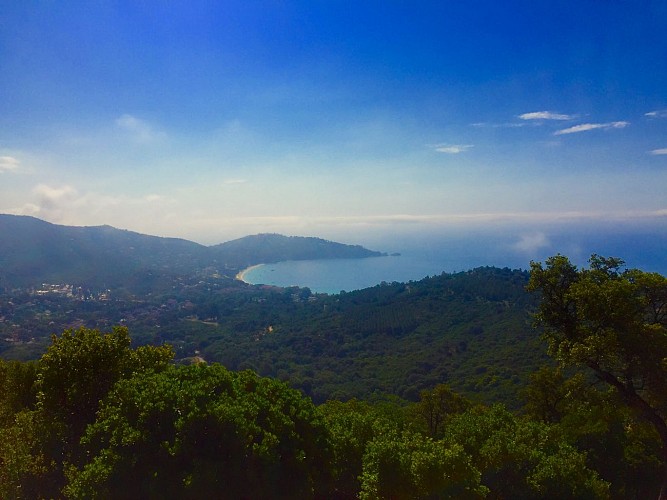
[33,251]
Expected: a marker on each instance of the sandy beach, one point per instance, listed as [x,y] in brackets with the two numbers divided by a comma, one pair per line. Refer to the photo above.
[241,276]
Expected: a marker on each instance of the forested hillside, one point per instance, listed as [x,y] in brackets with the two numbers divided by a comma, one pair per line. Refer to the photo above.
[472,330]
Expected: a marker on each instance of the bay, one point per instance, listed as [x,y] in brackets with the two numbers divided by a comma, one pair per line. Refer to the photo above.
[432,254]
[336,275]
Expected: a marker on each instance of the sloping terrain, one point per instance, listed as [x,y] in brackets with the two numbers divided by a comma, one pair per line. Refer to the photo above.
[33,252]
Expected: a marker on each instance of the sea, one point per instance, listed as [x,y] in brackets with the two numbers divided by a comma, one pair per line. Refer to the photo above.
[417,255]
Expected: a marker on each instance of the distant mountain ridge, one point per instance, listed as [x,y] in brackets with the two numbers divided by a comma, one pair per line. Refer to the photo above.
[33,251]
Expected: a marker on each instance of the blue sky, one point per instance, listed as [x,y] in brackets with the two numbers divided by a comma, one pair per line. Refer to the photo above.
[213,120]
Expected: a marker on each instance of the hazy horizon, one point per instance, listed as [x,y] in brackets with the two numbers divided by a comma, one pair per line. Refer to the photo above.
[211,121]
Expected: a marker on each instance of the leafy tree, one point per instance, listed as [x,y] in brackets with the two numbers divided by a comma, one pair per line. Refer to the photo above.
[407,465]
[58,397]
[79,369]
[613,322]
[352,425]
[521,458]
[17,380]
[202,431]
[623,449]
[21,464]
[434,406]
[550,395]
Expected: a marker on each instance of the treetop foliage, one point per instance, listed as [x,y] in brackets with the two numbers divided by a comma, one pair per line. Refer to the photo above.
[614,322]
[96,418]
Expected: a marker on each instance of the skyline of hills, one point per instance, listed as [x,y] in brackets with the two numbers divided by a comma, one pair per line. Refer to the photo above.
[33,251]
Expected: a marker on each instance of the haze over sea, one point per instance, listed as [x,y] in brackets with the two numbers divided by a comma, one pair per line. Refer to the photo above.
[428,254]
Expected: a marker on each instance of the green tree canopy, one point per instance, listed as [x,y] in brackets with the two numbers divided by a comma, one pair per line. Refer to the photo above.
[19,392]
[623,448]
[520,458]
[615,323]
[203,431]
[408,465]
[436,404]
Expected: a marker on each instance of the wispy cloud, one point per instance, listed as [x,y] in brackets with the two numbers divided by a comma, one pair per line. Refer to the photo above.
[532,242]
[8,164]
[584,127]
[52,203]
[661,151]
[50,195]
[153,198]
[659,113]
[498,125]
[140,130]
[545,115]
[526,243]
[65,204]
[231,182]
[453,148]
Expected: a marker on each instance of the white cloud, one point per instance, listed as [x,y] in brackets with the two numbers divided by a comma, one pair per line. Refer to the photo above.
[52,202]
[27,209]
[661,151]
[231,182]
[140,130]
[153,197]
[584,127]
[453,149]
[545,115]
[498,125]
[67,205]
[50,195]
[659,113]
[532,242]
[8,164]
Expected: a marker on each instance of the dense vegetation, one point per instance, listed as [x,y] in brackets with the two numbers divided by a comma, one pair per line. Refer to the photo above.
[96,418]
[614,323]
[471,330]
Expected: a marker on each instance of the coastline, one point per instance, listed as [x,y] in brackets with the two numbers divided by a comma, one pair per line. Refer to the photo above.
[241,275]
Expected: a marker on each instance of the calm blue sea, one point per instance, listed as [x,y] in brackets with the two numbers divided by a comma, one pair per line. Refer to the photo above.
[431,254]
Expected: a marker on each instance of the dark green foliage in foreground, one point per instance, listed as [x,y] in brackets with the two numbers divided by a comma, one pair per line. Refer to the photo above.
[202,431]
[622,448]
[613,323]
[483,452]
[81,367]
[19,391]
[62,396]
[519,458]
